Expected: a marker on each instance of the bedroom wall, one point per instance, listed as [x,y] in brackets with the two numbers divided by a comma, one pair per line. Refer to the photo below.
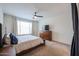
[60,24]
[35,28]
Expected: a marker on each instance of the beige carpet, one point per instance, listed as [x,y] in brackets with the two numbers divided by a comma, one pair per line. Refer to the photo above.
[50,49]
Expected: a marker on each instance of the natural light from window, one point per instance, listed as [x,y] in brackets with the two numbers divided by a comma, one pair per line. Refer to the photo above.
[24,27]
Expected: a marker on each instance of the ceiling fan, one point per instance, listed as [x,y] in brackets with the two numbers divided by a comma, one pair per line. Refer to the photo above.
[36,16]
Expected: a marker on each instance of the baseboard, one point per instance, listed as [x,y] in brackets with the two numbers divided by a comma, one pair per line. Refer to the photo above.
[61,43]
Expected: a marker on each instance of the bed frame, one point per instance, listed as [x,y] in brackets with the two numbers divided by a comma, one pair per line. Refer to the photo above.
[29,50]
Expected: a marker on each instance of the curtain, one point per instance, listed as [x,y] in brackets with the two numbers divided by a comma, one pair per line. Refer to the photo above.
[9,24]
[75,41]
[24,27]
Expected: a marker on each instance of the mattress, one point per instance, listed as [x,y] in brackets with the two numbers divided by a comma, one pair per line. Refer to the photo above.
[26,42]
[23,38]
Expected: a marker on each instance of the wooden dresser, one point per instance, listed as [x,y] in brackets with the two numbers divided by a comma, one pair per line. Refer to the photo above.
[46,35]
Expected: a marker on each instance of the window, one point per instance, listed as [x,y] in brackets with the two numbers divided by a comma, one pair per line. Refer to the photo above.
[24,27]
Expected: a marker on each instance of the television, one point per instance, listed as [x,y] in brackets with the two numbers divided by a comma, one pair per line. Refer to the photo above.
[47,27]
[1,42]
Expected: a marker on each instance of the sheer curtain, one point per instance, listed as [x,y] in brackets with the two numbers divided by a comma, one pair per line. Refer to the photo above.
[13,24]
[24,27]
[9,24]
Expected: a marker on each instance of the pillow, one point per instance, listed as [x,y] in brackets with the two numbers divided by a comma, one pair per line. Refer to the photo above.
[6,39]
[13,38]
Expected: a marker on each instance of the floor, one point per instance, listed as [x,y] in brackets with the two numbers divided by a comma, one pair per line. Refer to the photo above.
[52,49]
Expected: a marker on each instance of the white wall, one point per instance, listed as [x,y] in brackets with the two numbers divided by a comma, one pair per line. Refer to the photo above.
[60,24]
[35,28]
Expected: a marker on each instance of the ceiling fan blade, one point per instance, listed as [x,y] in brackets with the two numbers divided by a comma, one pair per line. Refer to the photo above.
[35,14]
[38,16]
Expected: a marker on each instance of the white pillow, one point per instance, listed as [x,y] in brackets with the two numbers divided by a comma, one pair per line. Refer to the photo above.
[8,40]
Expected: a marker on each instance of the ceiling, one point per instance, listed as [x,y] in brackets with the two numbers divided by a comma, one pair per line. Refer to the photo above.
[26,10]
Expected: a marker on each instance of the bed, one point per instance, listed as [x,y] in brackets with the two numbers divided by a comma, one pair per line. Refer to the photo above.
[26,42]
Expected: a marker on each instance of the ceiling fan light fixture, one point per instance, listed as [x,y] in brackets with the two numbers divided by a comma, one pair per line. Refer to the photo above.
[34,17]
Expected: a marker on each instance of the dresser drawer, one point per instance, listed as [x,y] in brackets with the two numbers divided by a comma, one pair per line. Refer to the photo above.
[47,35]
